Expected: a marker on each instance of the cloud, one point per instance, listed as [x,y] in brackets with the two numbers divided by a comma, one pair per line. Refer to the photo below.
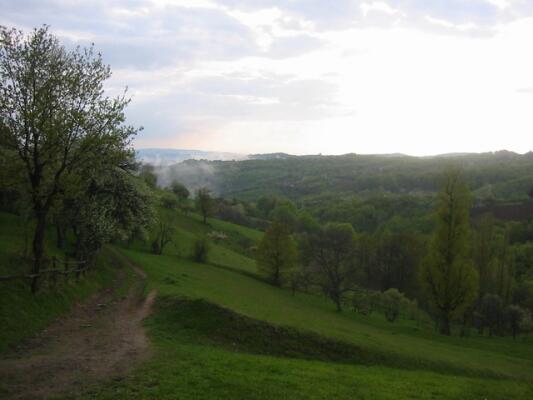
[309,76]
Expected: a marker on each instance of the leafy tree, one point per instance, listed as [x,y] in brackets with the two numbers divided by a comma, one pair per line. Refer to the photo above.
[204,203]
[484,251]
[181,192]
[147,173]
[164,233]
[448,276]
[276,252]
[392,302]
[330,255]
[169,201]
[363,301]
[492,311]
[56,117]
[266,204]
[515,315]
[285,213]
[111,204]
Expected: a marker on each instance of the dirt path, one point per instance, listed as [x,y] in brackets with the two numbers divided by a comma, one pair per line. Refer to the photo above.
[101,338]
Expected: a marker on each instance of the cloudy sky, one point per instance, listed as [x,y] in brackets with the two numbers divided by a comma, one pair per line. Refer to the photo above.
[311,76]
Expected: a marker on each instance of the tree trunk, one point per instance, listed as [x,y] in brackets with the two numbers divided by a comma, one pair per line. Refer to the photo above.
[338,304]
[276,276]
[38,246]
[60,236]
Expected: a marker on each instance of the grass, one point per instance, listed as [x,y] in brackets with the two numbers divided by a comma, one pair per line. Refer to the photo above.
[23,314]
[205,352]
[389,343]
[220,332]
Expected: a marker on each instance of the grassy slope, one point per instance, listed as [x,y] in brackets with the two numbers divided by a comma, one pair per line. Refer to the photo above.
[23,314]
[196,360]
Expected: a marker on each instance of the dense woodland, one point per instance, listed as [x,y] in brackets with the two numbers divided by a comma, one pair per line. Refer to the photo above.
[371,227]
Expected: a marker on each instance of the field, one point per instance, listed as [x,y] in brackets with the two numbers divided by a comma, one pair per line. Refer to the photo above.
[219,331]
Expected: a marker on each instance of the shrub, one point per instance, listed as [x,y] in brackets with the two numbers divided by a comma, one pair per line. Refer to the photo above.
[392,302]
[200,250]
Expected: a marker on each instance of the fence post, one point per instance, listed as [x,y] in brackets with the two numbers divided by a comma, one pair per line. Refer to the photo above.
[54,272]
[66,268]
[78,272]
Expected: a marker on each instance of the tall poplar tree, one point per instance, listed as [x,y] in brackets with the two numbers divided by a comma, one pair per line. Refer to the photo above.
[448,276]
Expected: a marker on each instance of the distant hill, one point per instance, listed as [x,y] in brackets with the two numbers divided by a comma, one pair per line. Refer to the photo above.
[502,176]
[270,156]
[162,157]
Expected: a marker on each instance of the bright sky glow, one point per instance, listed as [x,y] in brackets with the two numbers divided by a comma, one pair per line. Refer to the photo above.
[411,76]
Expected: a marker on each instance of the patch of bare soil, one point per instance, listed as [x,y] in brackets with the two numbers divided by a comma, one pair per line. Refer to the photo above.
[101,338]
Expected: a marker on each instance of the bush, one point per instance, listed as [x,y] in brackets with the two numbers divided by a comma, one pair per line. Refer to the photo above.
[363,302]
[392,302]
[169,201]
[200,250]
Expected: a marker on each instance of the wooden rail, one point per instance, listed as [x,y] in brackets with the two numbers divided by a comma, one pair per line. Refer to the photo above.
[51,271]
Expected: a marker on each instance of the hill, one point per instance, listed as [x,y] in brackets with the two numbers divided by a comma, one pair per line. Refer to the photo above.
[501,176]
[171,156]
[218,330]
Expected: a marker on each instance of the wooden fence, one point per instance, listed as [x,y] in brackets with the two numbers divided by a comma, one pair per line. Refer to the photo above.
[68,267]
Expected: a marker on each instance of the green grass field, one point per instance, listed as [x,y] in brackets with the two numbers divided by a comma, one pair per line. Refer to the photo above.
[219,331]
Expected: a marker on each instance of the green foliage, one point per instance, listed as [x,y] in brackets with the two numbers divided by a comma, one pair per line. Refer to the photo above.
[55,117]
[448,276]
[516,316]
[276,253]
[393,300]
[330,256]
[204,203]
[286,213]
[169,201]
[147,174]
[163,234]
[491,309]
[181,192]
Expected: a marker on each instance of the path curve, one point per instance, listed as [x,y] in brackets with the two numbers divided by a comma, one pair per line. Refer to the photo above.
[101,338]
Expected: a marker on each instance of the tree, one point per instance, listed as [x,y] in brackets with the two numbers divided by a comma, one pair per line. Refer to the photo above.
[286,213]
[515,315]
[147,173]
[392,302]
[204,203]
[56,116]
[491,308]
[276,252]
[485,255]
[164,232]
[330,254]
[448,276]
[169,201]
[103,205]
[200,250]
[181,192]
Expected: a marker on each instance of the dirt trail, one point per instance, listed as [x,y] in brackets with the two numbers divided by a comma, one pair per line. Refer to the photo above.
[101,338]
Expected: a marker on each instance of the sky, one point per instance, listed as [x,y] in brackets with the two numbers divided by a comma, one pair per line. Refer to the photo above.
[418,77]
